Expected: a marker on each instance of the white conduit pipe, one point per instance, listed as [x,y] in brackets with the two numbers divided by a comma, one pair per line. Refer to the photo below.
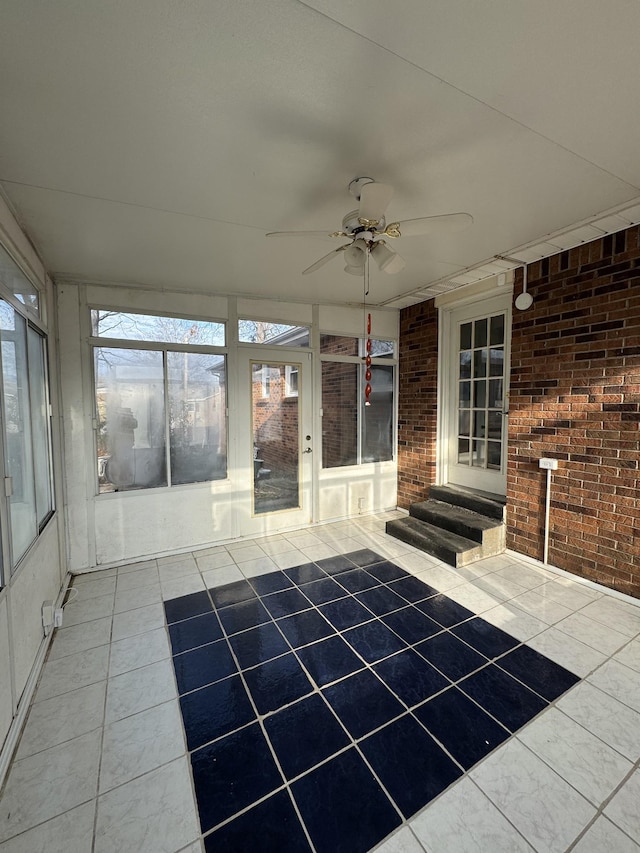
[548,465]
[547,507]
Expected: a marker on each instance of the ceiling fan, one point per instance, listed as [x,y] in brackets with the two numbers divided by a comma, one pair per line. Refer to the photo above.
[366,228]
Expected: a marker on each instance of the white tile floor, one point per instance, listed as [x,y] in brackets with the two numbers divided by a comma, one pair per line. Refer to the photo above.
[102,764]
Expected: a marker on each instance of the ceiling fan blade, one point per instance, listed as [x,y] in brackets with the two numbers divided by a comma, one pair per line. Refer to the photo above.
[326,234]
[445,224]
[374,199]
[324,259]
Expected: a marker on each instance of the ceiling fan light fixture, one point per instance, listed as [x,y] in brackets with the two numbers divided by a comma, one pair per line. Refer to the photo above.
[387,260]
[355,254]
[354,270]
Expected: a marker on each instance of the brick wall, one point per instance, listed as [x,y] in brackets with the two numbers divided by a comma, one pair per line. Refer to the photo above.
[575,396]
[417,404]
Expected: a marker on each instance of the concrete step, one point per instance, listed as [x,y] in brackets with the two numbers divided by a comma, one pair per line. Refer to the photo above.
[446,546]
[481,502]
[488,532]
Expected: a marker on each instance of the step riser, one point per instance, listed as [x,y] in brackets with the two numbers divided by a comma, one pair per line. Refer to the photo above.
[492,509]
[458,559]
[490,537]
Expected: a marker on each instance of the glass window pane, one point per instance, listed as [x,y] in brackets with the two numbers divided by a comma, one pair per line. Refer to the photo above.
[464,422]
[496,334]
[478,454]
[465,365]
[495,425]
[17,283]
[465,395]
[493,454]
[480,333]
[340,414]
[276,334]
[197,417]
[276,443]
[496,362]
[377,432]
[17,425]
[495,393]
[480,363]
[339,345]
[150,327]
[131,419]
[465,336]
[480,393]
[479,424]
[40,425]
[381,349]
[463,451]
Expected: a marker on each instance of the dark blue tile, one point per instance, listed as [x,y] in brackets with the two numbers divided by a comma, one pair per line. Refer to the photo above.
[461,726]
[335,565]
[305,734]
[502,696]
[239,617]
[409,763]
[277,683]
[547,678]
[323,591]
[412,625]
[203,665]
[373,641]
[345,613]
[485,638]
[273,582]
[270,827]
[231,774]
[413,589]
[410,677]
[303,628]
[357,580]
[305,574]
[232,593]
[187,606]
[258,645]
[329,660]
[215,710]
[381,600]
[387,571]
[451,656]
[363,703]
[444,610]
[353,813]
[285,603]
[364,557]
[194,632]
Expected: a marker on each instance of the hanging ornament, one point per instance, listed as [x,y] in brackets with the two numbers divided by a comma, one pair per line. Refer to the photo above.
[367,362]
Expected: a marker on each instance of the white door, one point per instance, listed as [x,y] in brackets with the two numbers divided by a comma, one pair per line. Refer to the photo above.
[275,446]
[476,396]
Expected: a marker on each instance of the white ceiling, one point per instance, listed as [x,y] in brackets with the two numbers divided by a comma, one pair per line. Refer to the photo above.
[155,142]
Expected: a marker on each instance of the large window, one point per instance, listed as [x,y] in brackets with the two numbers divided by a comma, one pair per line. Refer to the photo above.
[160,407]
[26,422]
[353,433]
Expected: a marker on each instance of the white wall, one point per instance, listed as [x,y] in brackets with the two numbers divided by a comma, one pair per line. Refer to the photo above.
[119,527]
[41,573]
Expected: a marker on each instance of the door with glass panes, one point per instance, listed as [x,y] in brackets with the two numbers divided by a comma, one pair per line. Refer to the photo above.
[478,396]
[275,446]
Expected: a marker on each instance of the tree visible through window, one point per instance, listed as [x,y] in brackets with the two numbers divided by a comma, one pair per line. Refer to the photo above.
[161,411]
